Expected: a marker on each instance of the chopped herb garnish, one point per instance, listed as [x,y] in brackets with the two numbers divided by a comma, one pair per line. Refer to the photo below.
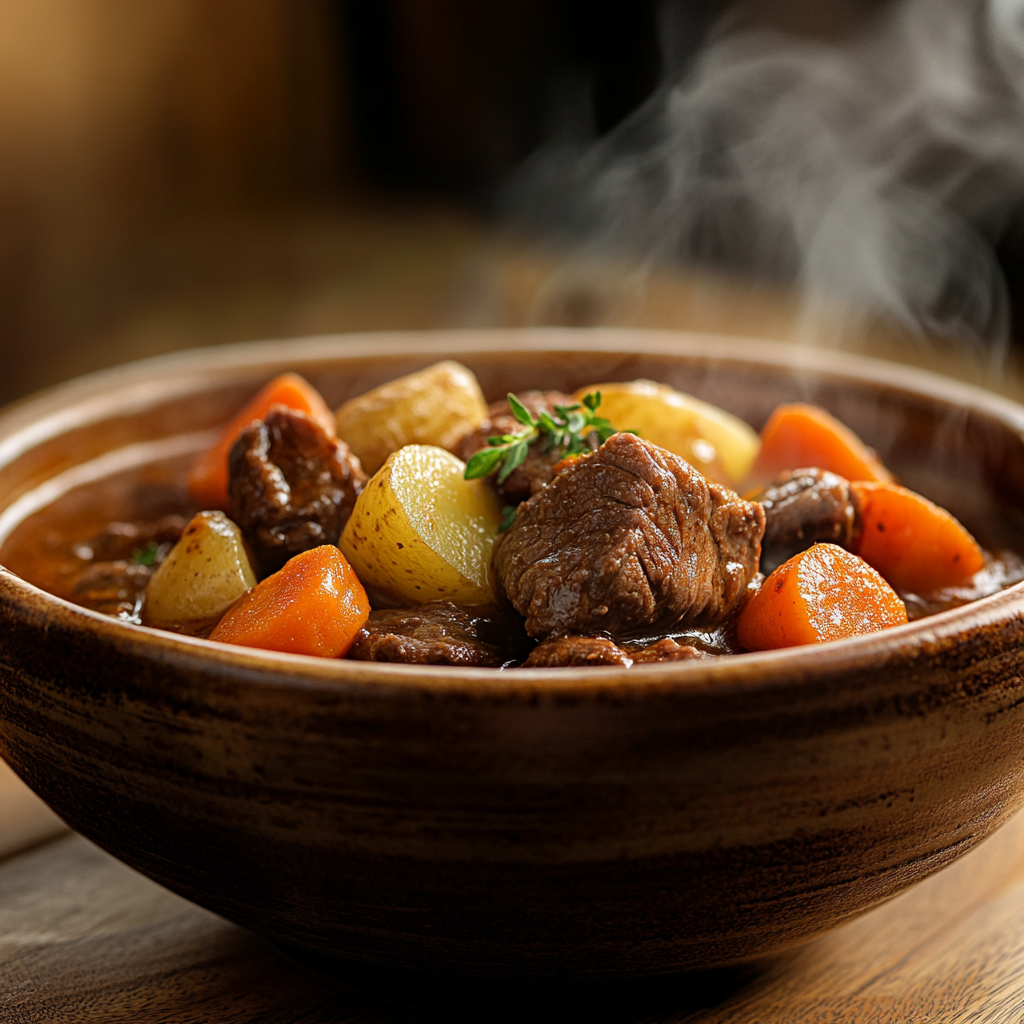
[146,555]
[508,517]
[572,428]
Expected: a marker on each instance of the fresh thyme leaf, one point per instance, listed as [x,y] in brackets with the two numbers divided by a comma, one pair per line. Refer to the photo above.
[146,555]
[604,429]
[514,457]
[483,463]
[571,428]
[508,517]
[546,423]
[520,411]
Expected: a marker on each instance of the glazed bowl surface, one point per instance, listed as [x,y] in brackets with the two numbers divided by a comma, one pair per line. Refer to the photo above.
[544,823]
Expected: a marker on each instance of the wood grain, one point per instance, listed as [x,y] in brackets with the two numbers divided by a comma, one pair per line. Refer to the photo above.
[85,940]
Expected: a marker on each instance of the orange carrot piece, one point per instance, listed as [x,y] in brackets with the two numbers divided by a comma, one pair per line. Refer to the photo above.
[824,593]
[564,463]
[314,605]
[917,546]
[208,478]
[799,436]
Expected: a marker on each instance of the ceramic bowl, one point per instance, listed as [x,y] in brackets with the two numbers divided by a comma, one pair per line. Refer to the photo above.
[559,823]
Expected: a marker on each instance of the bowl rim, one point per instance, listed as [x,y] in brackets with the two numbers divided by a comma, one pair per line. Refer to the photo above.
[43,416]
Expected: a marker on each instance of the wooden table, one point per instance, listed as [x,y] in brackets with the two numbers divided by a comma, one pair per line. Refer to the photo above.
[85,940]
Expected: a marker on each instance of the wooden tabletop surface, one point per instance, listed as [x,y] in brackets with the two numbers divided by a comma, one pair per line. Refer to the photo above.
[85,940]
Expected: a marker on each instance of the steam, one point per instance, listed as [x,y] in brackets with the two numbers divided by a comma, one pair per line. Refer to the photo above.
[872,175]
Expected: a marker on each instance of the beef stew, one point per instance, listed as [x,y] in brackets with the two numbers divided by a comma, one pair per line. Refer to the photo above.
[579,543]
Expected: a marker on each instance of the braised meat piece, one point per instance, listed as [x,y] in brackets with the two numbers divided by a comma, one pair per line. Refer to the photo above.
[535,471]
[114,588]
[801,508]
[583,651]
[292,487]
[440,633]
[122,558]
[667,650]
[572,651]
[627,540]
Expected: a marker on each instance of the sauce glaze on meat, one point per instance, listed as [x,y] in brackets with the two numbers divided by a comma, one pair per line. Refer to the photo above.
[442,633]
[802,507]
[291,485]
[627,540]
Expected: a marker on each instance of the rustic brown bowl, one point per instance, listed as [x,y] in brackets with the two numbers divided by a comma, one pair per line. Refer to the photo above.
[565,823]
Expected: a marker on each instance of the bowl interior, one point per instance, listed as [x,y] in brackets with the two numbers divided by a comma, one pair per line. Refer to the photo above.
[114,446]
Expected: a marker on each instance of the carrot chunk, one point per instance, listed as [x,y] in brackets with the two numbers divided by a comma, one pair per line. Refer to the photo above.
[917,546]
[824,593]
[208,478]
[314,605]
[798,436]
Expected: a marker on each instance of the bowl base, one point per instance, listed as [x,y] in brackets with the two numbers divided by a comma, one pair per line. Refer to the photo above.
[502,999]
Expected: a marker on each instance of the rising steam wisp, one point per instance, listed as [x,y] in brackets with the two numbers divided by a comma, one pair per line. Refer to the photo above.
[872,175]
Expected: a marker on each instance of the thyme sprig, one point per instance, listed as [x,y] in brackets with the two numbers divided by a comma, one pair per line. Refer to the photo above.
[570,428]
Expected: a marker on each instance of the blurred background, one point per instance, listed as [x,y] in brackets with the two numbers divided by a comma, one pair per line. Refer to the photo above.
[180,173]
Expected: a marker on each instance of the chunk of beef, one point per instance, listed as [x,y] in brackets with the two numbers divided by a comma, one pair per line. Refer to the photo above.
[292,487]
[628,540]
[121,560]
[581,651]
[667,649]
[440,633]
[573,651]
[535,471]
[801,508]
[114,588]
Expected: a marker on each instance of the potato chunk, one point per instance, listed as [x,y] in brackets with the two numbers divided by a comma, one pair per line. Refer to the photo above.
[717,443]
[201,577]
[420,532]
[435,406]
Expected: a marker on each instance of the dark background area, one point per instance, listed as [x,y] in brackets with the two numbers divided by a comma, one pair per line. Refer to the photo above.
[189,172]
[449,96]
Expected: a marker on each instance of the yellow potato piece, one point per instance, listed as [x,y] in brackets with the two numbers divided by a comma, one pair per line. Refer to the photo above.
[420,532]
[714,441]
[435,406]
[202,576]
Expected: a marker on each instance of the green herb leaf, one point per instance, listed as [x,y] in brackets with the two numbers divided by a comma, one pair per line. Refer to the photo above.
[508,517]
[520,411]
[545,423]
[572,428]
[575,446]
[483,463]
[515,456]
[604,429]
[146,555]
